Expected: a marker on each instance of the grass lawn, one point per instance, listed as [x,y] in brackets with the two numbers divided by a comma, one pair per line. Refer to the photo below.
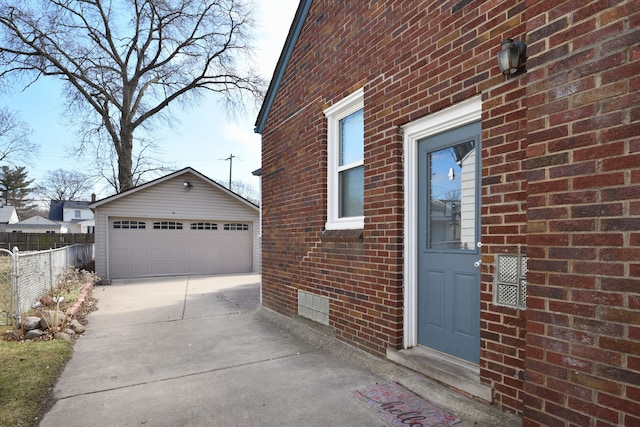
[28,370]
[5,291]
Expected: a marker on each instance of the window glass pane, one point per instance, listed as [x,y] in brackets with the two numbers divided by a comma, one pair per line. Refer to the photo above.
[352,192]
[126,224]
[452,191]
[204,226]
[352,138]
[236,227]
[167,225]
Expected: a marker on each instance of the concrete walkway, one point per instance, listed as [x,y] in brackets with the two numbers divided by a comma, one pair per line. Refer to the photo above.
[199,351]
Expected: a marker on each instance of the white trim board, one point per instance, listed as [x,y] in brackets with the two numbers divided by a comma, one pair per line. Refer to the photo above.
[463,113]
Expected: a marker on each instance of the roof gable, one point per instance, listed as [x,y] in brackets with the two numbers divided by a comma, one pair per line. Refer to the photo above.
[8,214]
[283,61]
[38,220]
[158,181]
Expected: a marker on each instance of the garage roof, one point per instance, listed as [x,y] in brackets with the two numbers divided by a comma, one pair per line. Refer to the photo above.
[187,170]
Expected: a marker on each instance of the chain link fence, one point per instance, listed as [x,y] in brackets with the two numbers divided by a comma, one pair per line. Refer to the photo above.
[27,276]
[8,296]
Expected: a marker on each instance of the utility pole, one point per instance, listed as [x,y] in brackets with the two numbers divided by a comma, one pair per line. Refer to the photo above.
[230,158]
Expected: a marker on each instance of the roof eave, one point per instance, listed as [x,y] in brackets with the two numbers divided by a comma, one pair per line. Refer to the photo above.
[283,61]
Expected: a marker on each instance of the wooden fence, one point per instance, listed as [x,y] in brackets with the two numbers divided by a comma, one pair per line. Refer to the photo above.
[42,241]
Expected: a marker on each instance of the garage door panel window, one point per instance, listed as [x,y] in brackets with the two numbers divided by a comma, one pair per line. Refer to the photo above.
[167,225]
[129,224]
[204,226]
[236,227]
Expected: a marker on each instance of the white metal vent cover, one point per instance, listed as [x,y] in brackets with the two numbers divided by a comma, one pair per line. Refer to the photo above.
[511,281]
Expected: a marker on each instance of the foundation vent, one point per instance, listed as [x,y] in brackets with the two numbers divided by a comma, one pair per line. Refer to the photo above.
[314,307]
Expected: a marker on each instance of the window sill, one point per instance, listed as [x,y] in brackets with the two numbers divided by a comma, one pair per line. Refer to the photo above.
[342,236]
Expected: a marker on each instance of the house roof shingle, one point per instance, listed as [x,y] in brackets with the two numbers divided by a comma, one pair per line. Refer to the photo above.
[55,210]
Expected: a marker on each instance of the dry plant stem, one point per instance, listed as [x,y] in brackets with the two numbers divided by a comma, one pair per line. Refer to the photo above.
[55,320]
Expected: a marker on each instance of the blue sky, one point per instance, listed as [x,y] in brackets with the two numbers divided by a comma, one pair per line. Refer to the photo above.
[201,137]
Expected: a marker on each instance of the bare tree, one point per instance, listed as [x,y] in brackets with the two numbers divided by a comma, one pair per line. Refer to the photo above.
[125,61]
[14,138]
[144,165]
[63,184]
[243,189]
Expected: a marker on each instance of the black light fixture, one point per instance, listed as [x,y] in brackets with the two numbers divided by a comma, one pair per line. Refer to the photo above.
[187,185]
[512,56]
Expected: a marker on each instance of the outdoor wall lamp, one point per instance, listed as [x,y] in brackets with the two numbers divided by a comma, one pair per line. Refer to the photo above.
[187,185]
[512,57]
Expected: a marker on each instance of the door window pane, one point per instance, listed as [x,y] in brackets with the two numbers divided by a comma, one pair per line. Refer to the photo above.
[452,197]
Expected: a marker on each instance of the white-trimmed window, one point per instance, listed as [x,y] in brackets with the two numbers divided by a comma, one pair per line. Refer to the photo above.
[345,151]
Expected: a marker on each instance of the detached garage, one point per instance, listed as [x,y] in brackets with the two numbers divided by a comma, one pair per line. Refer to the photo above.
[182,223]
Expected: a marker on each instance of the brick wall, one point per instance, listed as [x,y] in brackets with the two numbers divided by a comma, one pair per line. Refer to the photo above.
[560,184]
[583,168]
[412,58]
[504,210]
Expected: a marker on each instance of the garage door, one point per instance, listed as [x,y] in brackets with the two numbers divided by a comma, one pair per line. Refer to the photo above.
[158,247]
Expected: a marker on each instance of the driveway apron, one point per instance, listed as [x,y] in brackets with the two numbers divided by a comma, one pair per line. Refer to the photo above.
[199,351]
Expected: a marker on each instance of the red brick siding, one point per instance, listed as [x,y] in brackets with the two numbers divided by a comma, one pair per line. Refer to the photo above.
[560,183]
[412,58]
[583,155]
[504,209]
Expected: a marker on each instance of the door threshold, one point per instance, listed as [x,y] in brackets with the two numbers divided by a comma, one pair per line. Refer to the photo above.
[451,371]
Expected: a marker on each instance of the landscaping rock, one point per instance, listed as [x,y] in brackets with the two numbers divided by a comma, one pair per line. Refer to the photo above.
[77,327]
[70,331]
[31,322]
[33,334]
[51,319]
[62,336]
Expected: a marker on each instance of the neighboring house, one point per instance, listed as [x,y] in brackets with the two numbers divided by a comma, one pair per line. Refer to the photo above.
[8,215]
[182,223]
[75,213]
[480,228]
[37,224]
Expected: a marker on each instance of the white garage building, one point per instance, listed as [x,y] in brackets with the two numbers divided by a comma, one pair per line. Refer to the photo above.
[182,223]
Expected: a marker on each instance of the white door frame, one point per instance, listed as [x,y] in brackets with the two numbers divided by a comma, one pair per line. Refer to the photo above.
[465,112]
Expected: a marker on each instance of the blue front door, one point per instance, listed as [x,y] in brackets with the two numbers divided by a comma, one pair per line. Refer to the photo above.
[448,236]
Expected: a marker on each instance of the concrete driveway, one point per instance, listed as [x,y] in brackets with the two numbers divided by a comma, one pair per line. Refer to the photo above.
[199,351]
